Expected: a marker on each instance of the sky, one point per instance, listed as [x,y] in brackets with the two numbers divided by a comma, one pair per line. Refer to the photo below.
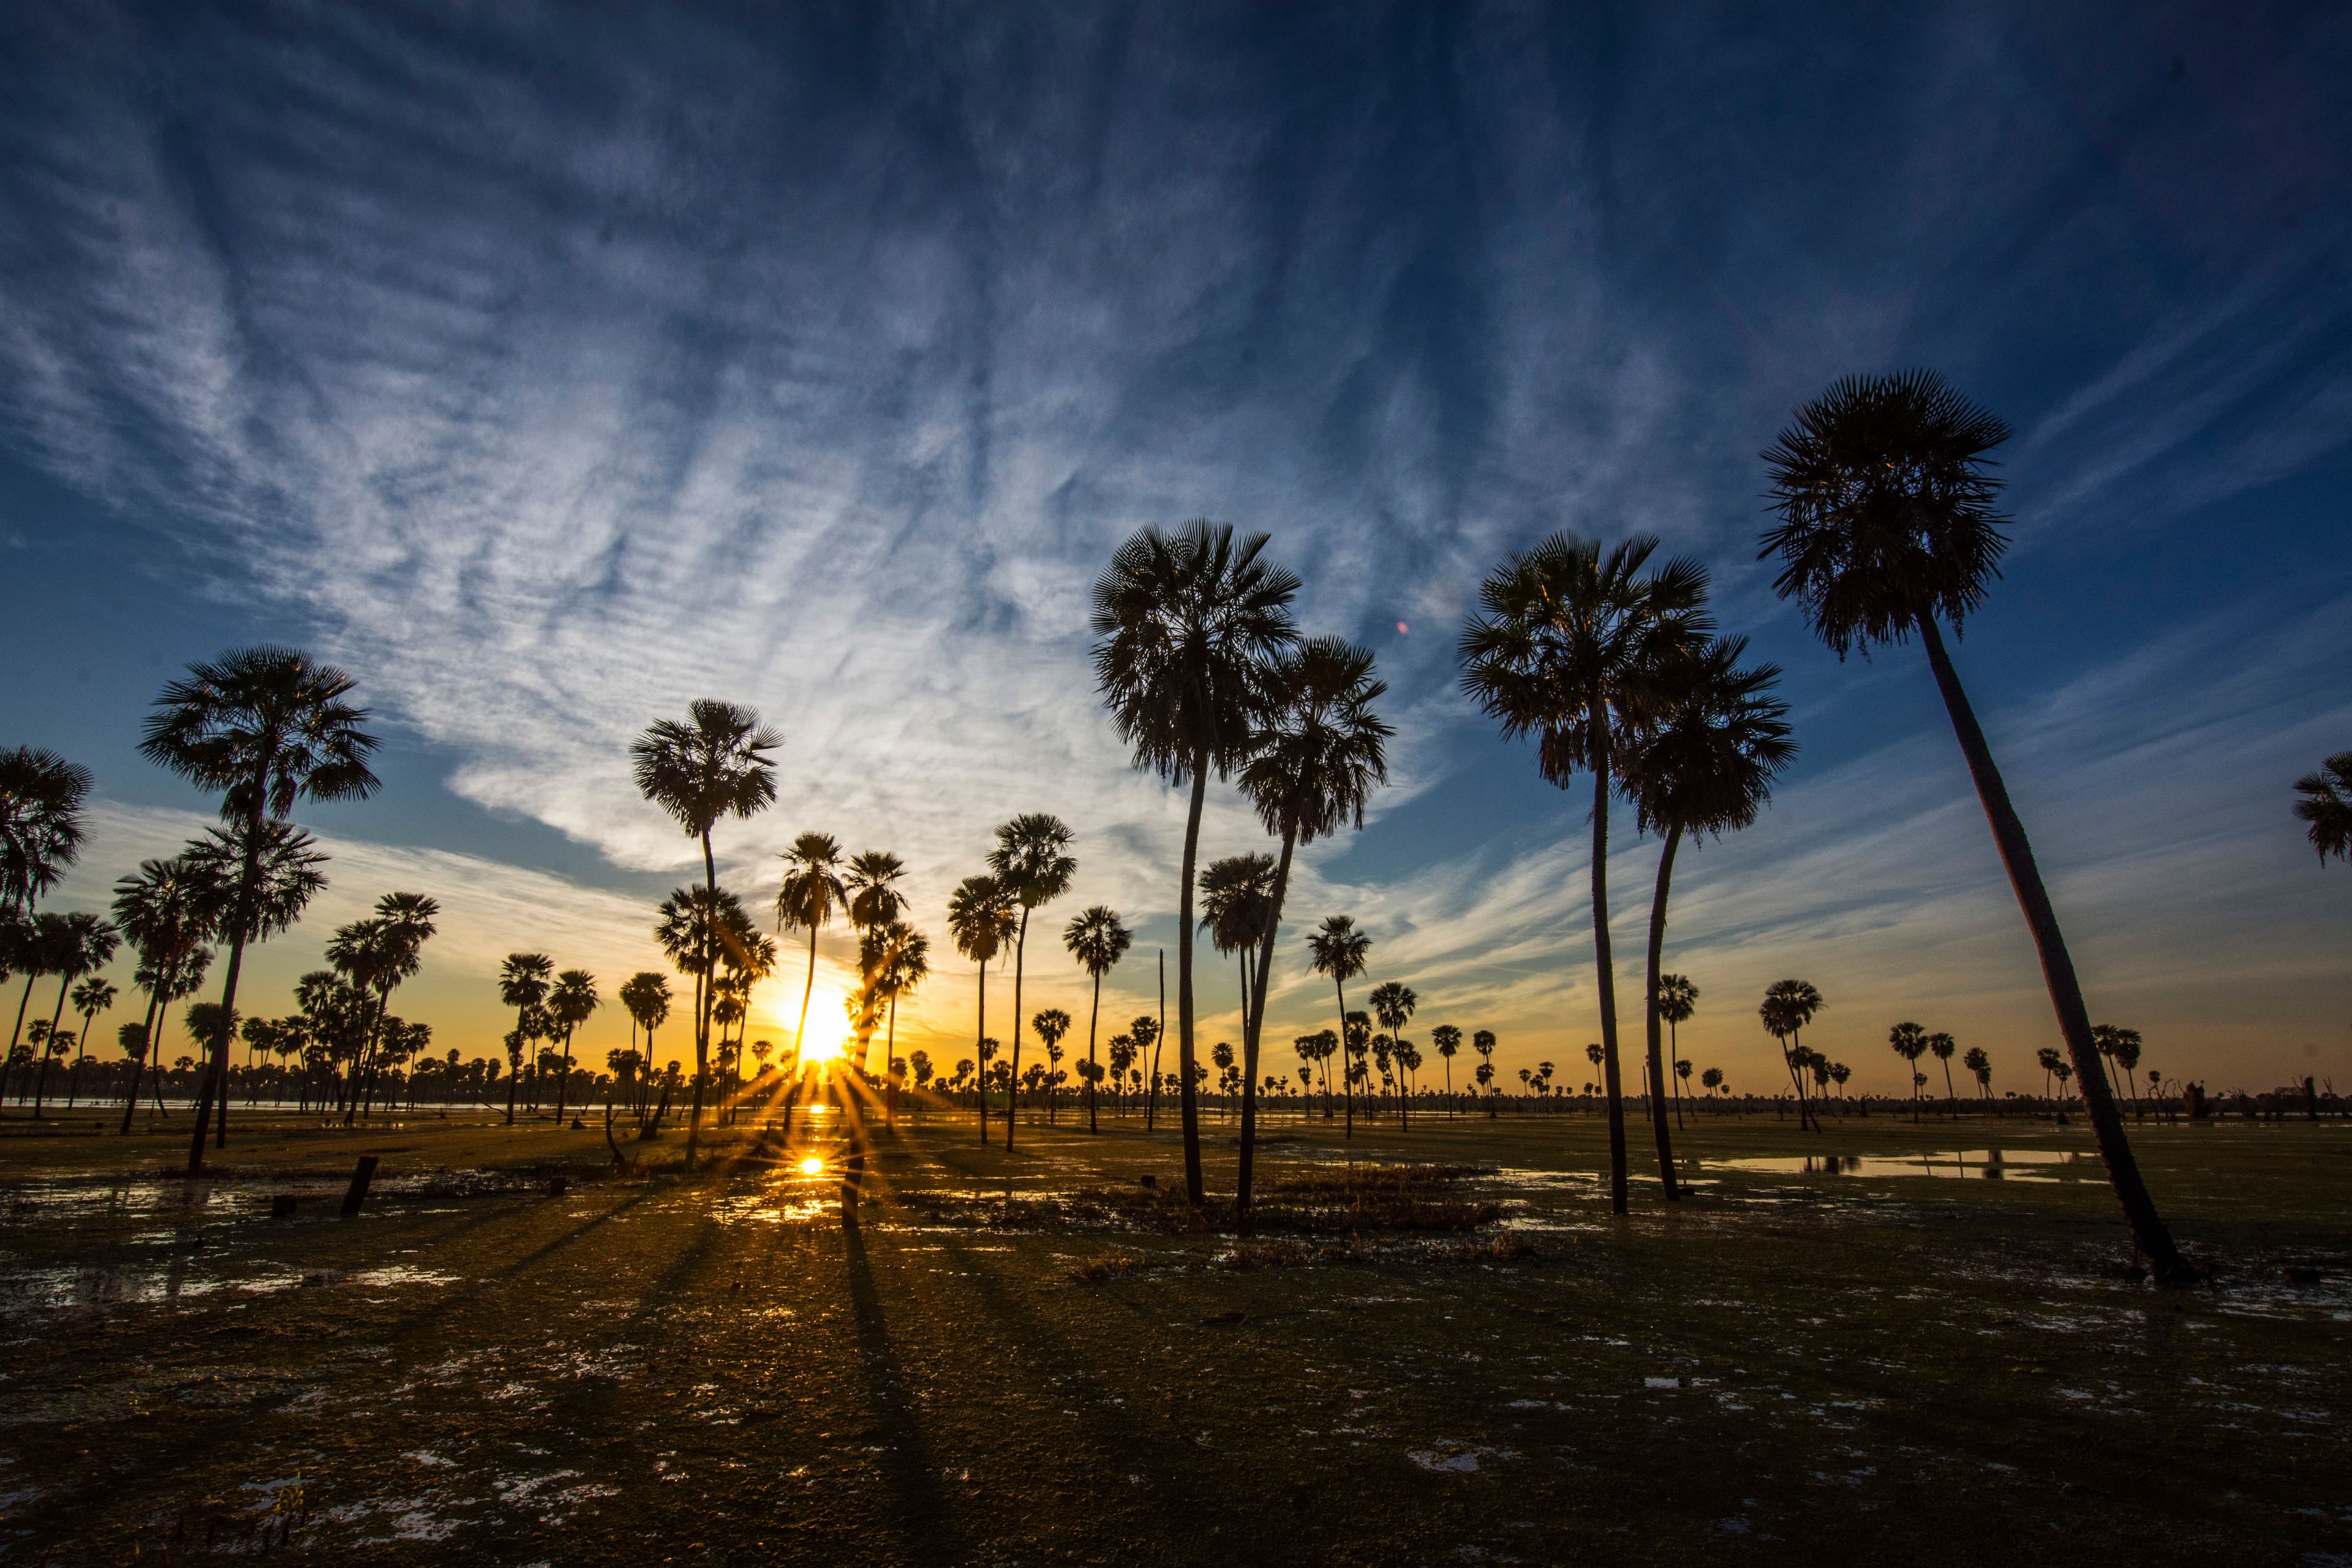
[549,367]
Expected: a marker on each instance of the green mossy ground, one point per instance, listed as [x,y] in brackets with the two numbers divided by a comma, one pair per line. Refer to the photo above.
[1029,1359]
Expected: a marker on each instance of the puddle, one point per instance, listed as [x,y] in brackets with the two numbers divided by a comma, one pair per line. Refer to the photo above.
[1978,1164]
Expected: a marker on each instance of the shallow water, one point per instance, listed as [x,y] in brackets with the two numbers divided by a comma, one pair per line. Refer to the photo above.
[1969,1164]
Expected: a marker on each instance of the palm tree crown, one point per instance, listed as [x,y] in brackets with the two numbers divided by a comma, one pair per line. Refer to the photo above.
[713,764]
[980,916]
[1032,859]
[1098,940]
[2327,806]
[266,727]
[1886,507]
[1338,949]
[1321,749]
[41,796]
[872,884]
[1716,741]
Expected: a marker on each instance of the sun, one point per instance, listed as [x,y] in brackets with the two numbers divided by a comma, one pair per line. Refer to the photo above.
[822,1051]
[811,1166]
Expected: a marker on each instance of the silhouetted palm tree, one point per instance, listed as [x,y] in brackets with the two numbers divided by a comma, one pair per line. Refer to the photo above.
[1318,753]
[1339,951]
[1789,1006]
[813,889]
[1569,648]
[2327,806]
[523,982]
[1979,1066]
[266,727]
[1483,1042]
[79,944]
[1703,764]
[1393,1003]
[1187,622]
[647,995]
[1447,1039]
[90,998]
[713,764]
[1031,862]
[1941,1047]
[157,910]
[1677,1001]
[980,920]
[872,882]
[1050,1024]
[1909,1042]
[572,1001]
[897,959]
[1098,940]
[1888,528]
[41,796]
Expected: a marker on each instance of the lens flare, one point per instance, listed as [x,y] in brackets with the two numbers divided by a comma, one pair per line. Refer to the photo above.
[811,1166]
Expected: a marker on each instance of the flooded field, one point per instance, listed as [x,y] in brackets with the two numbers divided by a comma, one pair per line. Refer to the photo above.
[1885,1344]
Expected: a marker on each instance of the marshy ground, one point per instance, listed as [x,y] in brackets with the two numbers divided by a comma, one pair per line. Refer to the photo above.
[1439,1349]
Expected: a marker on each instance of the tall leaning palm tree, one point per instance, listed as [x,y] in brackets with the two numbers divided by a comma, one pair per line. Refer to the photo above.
[41,796]
[1887,528]
[1319,751]
[1569,647]
[979,919]
[2325,807]
[1186,624]
[266,727]
[713,764]
[1032,862]
[1339,952]
[1097,939]
[1701,767]
[811,891]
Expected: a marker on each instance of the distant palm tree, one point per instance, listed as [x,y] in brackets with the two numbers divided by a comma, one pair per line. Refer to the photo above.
[2048,1059]
[1483,1042]
[1050,1024]
[266,727]
[1031,862]
[1888,528]
[1703,764]
[1319,751]
[897,958]
[1909,1042]
[90,998]
[80,944]
[1980,1066]
[1570,647]
[811,891]
[1339,953]
[1789,1007]
[1393,1003]
[1677,1001]
[1098,940]
[571,1002]
[1941,1047]
[713,764]
[1711,1079]
[41,797]
[647,996]
[1446,1039]
[1187,624]
[523,982]
[872,882]
[35,948]
[980,920]
[2327,806]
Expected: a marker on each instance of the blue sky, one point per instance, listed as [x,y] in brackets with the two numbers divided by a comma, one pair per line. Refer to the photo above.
[550,372]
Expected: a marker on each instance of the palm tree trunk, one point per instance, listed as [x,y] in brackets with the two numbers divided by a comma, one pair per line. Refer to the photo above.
[1092,1013]
[1657,1065]
[216,1054]
[2147,1227]
[1612,1081]
[41,1078]
[138,1068]
[703,997]
[1674,1055]
[1188,1103]
[1252,1028]
[982,1078]
[1020,956]
[1346,1066]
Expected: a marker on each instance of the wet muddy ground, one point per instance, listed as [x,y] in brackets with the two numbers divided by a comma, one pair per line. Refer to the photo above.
[1439,1348]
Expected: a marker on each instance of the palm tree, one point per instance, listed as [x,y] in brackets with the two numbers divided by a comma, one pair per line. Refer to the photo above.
[647,996]
[523,982]
[900,962]
[156,909]
[2123,1047]
[1392,1005]
[1910,1042]
[979,919]
[1098,940]
[1703,765]
[1187,622]
[571,1002]
[1483,1042]
[1789,1006]
[266,727]
[1447,1039]
[1711,1079]
[1050,1024]
[405,924]
[1318,753]
[35,947]
[2326,806]
[713,764]
[811,891]
[1031,862]
[1339,951]
[1980,1066]
[41,796]
[1941,1047]
[1887,528]
[2048,1059]
[1677,1001]
[1569,648]
[872,882]
[79,944]
[90,998]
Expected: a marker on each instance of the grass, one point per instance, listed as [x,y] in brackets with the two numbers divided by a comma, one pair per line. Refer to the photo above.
[1448,1352]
